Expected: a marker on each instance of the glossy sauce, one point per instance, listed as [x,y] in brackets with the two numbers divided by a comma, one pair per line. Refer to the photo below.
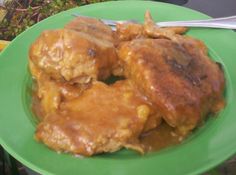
[161,137]
[156,139]
[168,77]
[36,107]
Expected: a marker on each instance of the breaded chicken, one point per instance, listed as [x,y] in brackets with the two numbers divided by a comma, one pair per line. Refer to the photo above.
[179,78]
[50,93]
[103,119]
[168,76]
[151,30]
[128,31]
[75,57]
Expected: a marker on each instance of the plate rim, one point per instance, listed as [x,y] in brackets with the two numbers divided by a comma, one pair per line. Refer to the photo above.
[40,170]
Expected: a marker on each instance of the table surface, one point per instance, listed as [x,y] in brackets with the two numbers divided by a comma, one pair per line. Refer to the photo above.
[213,8]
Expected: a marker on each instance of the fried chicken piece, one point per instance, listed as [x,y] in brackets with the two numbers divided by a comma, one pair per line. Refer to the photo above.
[75,57]
[103,119]
[98,30]
[45,90]
[51,93]
[61,58]
[153,31]
[179,78]
[128,31]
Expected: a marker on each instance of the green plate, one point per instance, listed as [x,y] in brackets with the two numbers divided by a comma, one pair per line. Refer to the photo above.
[208,146]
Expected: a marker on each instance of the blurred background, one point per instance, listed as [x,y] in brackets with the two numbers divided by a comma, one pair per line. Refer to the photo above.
[18,15]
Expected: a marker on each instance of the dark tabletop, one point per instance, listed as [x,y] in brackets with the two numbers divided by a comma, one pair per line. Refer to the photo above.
[213,8]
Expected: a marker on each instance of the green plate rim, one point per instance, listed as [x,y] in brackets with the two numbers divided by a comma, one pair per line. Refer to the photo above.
[34,167]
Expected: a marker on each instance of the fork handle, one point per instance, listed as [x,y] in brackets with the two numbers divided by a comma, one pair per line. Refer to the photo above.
[225,23]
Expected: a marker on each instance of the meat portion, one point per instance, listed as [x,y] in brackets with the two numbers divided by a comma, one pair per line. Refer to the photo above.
[51,93]
[46,91]
[75,57]
[168,76]
[178,78]
[128,31]
[65,61]
[103,119]
[153,31]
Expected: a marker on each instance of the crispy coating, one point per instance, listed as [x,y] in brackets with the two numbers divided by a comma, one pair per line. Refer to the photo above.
[153,31]
[103,119]
[168,76]
[128,31]
[67,55]
[50,93]
[179,78]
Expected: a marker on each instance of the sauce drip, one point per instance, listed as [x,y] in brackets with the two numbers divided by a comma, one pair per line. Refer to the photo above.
[156,139]
[161,137]
[36,107]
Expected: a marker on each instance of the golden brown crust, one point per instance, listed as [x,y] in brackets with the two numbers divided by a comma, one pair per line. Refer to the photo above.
[102,119]
[67,55]
[169,76]
[129,31]
[153,31]
[175,77]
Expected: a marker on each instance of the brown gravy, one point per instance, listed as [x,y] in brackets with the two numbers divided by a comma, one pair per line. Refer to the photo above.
[161,137]
[36,107]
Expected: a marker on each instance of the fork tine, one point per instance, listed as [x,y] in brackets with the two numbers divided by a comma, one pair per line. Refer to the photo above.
[109,22]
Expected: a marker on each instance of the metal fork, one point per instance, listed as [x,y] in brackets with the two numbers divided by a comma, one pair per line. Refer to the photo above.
[224,23]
